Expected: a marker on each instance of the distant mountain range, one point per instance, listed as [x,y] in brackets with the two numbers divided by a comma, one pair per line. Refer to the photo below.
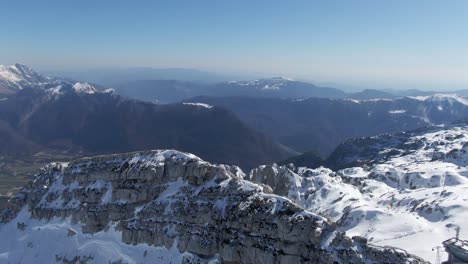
[54,113]
[48,111]
[176,84]
[166,91]
[321,124]
[112,77]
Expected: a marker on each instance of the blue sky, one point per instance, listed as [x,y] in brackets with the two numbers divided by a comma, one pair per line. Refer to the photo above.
[402,44]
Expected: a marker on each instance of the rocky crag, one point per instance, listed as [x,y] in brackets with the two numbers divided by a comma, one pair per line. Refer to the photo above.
[169,206]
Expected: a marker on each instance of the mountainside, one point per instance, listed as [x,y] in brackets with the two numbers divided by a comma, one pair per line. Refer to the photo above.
[410,191]
[168,207]
[167,91]
[320,124]
[105,122]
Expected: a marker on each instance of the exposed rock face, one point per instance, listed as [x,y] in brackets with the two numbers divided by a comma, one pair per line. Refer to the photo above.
[170,198]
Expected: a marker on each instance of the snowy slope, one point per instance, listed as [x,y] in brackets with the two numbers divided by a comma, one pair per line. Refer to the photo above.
[43,241]
[20,76]
[412,194]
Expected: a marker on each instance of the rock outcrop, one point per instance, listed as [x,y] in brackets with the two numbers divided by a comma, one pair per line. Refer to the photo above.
[169,198]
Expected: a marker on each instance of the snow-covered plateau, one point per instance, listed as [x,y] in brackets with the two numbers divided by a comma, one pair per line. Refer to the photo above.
[411,191]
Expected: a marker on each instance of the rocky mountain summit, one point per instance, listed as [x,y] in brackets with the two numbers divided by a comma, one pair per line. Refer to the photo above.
[169,206]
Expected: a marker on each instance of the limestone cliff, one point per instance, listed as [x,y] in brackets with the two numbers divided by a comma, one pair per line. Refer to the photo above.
[173,201]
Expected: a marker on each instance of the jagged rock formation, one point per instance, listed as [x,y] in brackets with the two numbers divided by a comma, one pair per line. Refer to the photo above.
[172,204]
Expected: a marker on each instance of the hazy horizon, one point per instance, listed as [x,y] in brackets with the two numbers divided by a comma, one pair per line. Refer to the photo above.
[366,44]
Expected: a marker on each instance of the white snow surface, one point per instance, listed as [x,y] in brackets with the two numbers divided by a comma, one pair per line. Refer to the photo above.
[400,111]
[412,201]
[207,106]
[34,244]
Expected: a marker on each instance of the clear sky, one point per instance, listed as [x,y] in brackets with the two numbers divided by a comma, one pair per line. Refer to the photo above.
[407,44]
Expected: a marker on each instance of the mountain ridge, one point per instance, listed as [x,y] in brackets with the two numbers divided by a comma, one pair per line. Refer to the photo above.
[171,206]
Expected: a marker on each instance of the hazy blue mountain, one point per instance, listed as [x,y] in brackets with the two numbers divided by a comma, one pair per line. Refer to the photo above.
[167,91]
[320,124]
[371,94]
[463,92]
[164,91]
[276,87]
[112,77]
[413,92]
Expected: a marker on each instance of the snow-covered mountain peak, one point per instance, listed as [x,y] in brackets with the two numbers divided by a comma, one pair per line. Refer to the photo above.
[18,76]
[84,88]
[64,87]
